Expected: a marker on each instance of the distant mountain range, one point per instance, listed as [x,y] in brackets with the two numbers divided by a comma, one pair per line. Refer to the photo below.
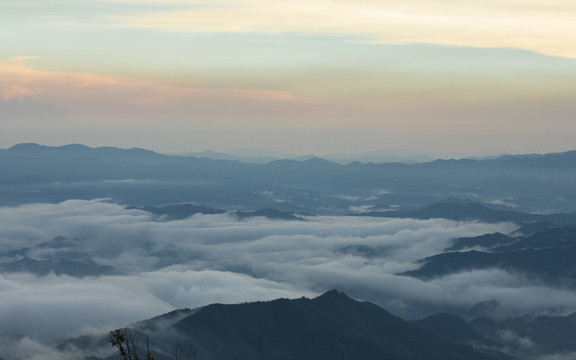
[262,157]
[474,211]
[36,173]
[526,337]
[73,268]
[533,334]
[183,211]
[67,258]
[551,265]
[332,326]
[547,255]
[535,192]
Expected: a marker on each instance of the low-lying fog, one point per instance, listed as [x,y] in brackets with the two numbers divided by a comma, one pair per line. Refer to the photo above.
[163,265]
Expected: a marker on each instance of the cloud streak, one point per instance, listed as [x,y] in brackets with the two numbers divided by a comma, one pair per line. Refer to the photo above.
[532,26]
[305,76]
[81,107]
[22,80]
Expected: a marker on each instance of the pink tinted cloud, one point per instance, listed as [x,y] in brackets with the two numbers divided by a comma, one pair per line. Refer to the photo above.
[18,79]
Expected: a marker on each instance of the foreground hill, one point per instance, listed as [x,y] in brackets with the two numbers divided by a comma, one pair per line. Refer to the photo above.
[332,326]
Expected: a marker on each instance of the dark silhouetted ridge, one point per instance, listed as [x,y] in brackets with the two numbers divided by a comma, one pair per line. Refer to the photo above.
[555,265]
[178,211]
[183,211]
[332,326]
[452,328]
[273,214]
[485,241]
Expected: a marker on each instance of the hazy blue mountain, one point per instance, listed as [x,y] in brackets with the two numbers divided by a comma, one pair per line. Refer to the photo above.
[272,214]
[62,266]
[453,328]
[559,237]
[58,242]
[554,265]
[537,192]
[178,211]
[547,236]
[361,250]
[60,255]
[59,248]
[551,161]
[256,159]
[532,228]
[263,156]
[526,337]
[533,334]
[258,153]
[183,211]
[485,241]
[546,255]
[474,211]
[379,157]
[36,173]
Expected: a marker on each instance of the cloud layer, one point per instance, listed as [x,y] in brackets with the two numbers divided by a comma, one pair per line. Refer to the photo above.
[533,25]
[216,258]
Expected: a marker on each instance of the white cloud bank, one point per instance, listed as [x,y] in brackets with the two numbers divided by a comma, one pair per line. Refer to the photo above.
[215,258]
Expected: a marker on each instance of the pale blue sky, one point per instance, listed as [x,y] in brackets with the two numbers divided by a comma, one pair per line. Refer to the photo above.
[316,77]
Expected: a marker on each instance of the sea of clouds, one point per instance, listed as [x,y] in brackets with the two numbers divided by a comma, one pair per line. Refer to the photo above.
[164,265]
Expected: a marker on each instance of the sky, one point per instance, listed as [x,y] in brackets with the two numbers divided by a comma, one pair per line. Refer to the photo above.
[303,77]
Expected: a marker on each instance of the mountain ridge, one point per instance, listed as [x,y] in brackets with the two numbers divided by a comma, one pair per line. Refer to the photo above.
[475,211]
[39,173]
[330,326]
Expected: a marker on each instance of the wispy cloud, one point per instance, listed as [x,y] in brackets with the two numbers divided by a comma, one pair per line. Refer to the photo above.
[223,74]
[324,109]
[533,25]
[21,79]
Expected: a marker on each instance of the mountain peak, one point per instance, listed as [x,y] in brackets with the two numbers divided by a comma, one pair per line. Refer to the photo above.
[331,326]
[333,295]
[74,147]
[317,160]
[27,147]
